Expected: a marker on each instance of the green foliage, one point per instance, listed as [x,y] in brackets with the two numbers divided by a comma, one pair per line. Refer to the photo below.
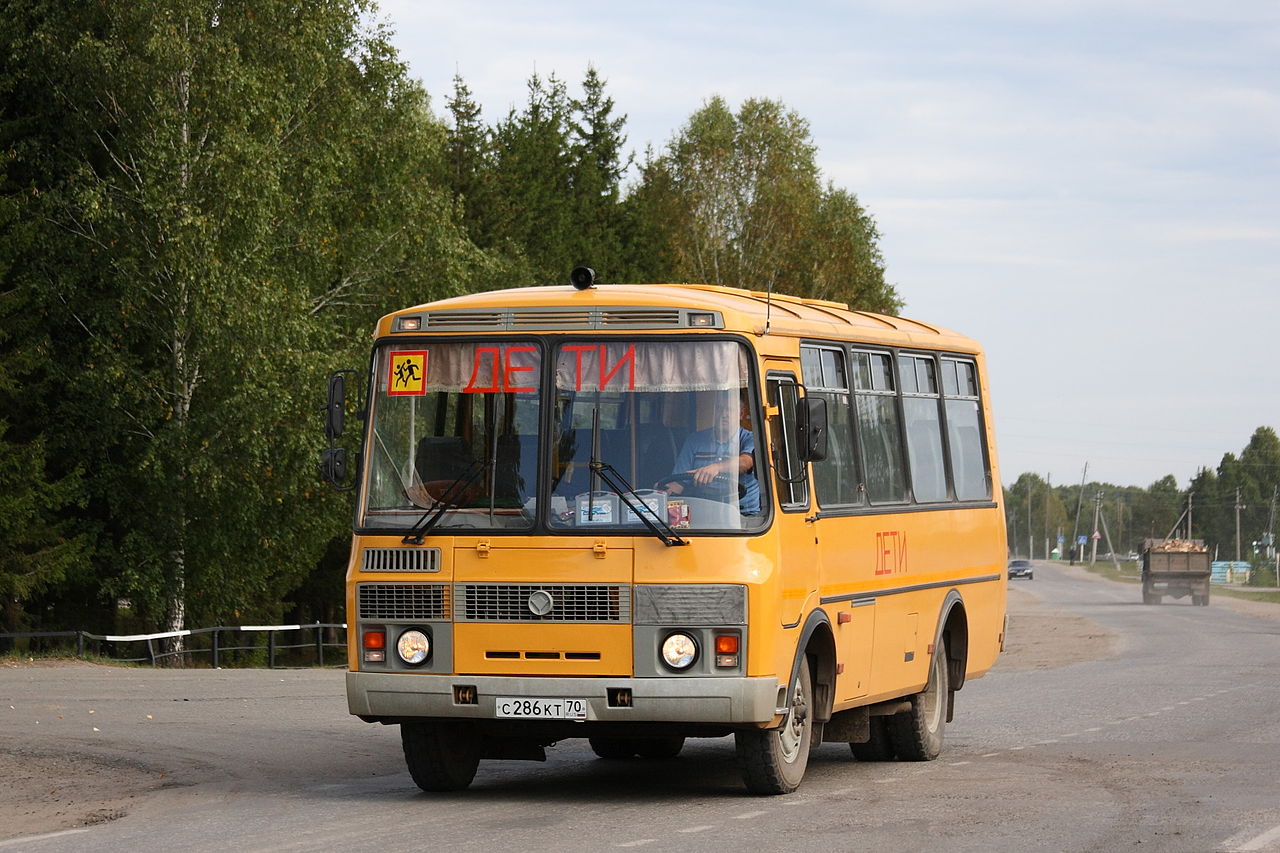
[38,548]
[737,199]
[1035,515]
[223,191]
[1243,488]
[542,187]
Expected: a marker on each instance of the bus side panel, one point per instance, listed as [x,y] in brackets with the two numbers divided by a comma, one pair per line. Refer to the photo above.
[891,574]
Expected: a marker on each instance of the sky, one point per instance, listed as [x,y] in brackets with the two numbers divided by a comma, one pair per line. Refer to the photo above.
[1091,189]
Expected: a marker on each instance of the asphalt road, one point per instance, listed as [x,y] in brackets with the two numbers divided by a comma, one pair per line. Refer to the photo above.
[1167,741]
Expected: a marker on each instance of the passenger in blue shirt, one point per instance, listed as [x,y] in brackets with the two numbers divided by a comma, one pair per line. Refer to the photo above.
[725,450]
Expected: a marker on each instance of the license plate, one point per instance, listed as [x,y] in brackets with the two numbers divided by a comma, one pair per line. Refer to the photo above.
[526,708]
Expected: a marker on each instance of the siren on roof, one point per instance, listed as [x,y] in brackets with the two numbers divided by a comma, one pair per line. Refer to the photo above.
[582,277]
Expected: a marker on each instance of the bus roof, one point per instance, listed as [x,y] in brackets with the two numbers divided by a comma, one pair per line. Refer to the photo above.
[666,307]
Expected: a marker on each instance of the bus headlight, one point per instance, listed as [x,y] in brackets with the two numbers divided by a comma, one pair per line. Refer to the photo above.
[679,651]
[413,647]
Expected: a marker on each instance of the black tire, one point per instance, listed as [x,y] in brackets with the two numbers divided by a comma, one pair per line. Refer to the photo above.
[659,747]
[917,734]
[613,748]
[440,756]
[879,747]
[773,761]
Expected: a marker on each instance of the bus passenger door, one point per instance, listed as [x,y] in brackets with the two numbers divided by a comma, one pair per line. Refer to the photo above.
[797,542]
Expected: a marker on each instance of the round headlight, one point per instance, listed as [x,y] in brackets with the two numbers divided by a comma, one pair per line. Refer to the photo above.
[679,651]
[414,647]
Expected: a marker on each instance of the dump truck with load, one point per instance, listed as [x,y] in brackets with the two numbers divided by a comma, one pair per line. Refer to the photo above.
[1175,567]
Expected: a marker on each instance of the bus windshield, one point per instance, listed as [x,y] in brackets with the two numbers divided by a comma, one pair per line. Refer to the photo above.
[457,429]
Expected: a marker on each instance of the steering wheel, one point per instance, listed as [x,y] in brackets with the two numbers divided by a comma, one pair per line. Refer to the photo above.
[718,489]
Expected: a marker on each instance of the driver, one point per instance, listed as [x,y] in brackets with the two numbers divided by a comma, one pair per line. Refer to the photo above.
[726,450]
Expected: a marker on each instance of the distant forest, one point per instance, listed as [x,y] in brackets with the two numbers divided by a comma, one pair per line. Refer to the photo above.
[1234,504]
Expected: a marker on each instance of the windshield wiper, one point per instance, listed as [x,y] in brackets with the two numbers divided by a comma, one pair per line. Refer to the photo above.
[431,517]
[620,487]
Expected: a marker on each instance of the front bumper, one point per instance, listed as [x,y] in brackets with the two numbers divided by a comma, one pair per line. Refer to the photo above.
[380,695]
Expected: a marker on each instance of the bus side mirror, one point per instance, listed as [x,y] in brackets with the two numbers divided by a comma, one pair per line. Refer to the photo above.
[333,465]
[335,408]
[813,429]
[333,460]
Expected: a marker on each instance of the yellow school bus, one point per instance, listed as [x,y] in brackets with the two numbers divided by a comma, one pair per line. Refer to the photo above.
[642,513]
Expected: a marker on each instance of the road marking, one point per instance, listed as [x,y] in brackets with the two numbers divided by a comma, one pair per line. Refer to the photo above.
[960,763]
[1094,729]
[748,815]
[991,755]
[1257,842]
[697,828]
[29,838]
[639,843]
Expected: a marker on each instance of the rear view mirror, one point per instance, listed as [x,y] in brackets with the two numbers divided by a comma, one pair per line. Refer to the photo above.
[813,429]
[333,465]
[333,461]
[335,408]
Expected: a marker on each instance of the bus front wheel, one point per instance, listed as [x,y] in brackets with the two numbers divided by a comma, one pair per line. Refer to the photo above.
[917,733]
[773,761]
[441,756]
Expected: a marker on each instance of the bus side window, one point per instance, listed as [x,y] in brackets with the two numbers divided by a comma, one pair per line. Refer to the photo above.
[793,485]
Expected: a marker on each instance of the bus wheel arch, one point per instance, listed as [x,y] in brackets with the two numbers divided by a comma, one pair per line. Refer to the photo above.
[817,648]
[773,761]
[953,627]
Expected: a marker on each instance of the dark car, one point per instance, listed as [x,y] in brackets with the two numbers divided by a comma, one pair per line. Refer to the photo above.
[1021,569]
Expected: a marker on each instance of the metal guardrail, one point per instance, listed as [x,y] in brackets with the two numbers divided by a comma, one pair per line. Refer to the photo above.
[216,648]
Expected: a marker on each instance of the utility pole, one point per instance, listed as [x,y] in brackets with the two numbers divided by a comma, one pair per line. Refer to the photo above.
[1188,515]
[1271,532]
[1030,533]
[1115,561]
[1239,506]
[1121,506]
[1048,488]
[1093,538]
[1075,534]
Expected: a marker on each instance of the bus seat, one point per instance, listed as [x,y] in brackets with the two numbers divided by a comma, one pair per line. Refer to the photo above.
[442,457]
[516,474]
[658,452]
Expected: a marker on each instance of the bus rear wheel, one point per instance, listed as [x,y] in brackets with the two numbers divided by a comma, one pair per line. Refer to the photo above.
[440,756]
[917,733]
[773,761]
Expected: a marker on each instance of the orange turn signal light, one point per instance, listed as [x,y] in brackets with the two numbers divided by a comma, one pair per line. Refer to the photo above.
[375,640]
[727,644]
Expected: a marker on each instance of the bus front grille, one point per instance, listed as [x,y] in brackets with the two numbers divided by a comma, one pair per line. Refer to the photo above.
[578,603]
[403,602]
